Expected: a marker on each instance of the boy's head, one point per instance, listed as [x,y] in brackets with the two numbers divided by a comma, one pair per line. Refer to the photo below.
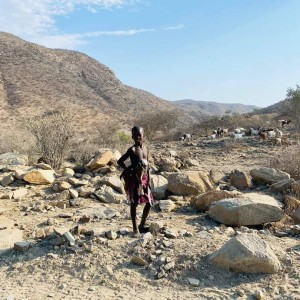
[137,134]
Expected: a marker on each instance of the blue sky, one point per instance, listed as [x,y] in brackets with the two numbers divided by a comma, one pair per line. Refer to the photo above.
[230,51]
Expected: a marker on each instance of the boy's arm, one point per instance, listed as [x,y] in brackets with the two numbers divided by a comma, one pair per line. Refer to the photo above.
[149,157]
[149,173]
[121,161]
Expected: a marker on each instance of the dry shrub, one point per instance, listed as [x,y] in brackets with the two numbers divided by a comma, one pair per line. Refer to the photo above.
[82,152]
[106,135]
[14,138]
[288,160]
[52,134]
[285,221]
[290,204]
[159,124]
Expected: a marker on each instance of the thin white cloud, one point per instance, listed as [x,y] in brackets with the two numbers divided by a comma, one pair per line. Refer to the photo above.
[72,41]
[34,20]
[118,32]
[32,17]
[177,27]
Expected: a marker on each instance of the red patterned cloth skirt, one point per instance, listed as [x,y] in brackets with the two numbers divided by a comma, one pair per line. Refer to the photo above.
[139,194]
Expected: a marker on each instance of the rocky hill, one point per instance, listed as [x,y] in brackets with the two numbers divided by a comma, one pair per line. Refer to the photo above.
[281,108]
[34,78]
[209,108]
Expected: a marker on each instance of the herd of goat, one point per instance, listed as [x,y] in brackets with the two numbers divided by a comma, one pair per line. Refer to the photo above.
[273,134]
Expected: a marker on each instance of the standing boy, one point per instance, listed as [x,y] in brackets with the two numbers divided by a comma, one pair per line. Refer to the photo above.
[136,178]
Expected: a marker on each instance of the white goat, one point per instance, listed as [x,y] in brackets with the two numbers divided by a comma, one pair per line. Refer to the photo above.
[237,136]
[272,134]
[240,130]
[254,131]
[213,136]
[225,130]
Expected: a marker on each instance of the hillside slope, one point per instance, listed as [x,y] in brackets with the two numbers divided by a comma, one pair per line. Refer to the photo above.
[281,108]
[34,78]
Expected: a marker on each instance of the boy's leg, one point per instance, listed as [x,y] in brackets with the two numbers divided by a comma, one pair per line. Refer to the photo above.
[133,216]
[145,215]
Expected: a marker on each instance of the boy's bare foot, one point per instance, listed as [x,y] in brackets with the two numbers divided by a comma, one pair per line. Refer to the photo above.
[136,234]
[143,229]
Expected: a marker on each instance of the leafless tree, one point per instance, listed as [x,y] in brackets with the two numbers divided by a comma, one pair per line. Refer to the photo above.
[52,134]
[163,121]
[293,96]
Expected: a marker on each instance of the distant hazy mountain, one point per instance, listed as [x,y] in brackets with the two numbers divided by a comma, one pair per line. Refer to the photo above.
[210,108]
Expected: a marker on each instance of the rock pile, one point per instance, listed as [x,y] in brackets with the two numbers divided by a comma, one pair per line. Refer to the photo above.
[97,187]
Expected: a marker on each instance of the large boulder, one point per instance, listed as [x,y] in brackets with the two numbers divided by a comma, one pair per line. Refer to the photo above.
[246,253]
[7,179]
[13,159]
[40,176]
[282,185]
[159,185]
[169,164]
[252,209]
[216,175]
[268,175]
[116,155]
[166,205]
[114,182]
[103,157]
[202,202]
[240,180]
[296,214]
[192,162]
[189,183]
[108,195]
[86,191]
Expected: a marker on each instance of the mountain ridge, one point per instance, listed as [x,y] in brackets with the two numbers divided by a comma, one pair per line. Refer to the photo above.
[34,78]
[199,108]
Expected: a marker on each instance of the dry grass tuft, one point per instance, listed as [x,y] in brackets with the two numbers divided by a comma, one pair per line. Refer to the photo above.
[291,204]
[285,221]
[288,160]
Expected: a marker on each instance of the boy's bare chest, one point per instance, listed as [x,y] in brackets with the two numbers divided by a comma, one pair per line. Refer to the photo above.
[139,152]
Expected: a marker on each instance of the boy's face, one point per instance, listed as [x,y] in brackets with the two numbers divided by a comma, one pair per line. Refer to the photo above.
[138,136]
